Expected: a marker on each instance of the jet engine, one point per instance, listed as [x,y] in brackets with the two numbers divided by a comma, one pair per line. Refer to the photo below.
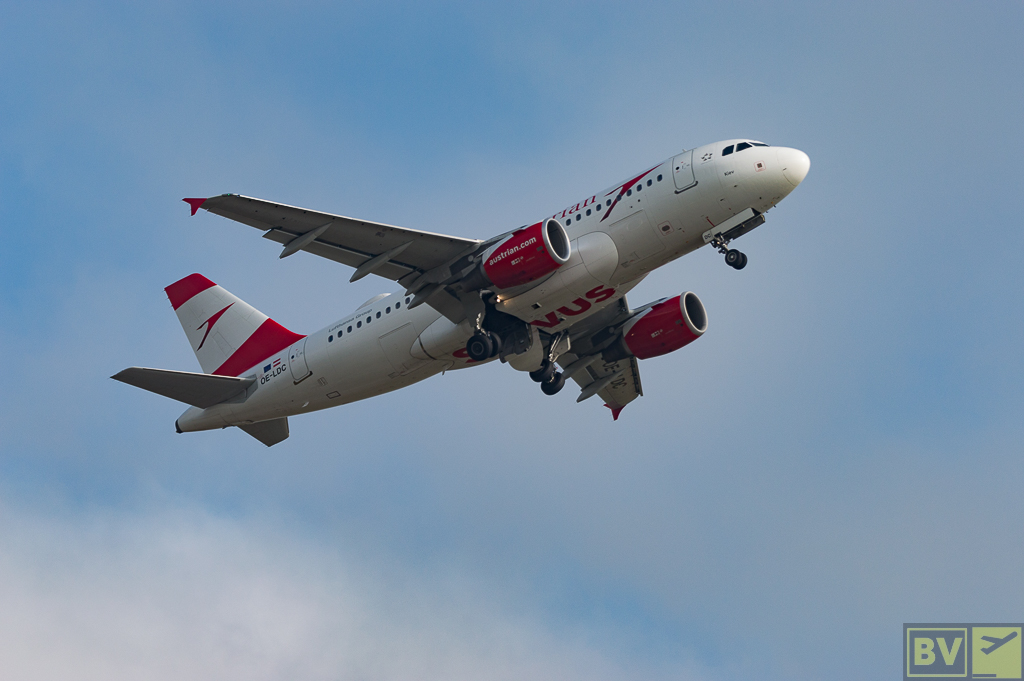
[661,329]
[527,255]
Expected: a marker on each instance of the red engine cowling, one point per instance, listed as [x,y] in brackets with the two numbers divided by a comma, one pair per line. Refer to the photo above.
[527,255]
[666,327]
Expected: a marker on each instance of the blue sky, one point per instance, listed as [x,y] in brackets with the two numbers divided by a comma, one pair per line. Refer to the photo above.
[841,453]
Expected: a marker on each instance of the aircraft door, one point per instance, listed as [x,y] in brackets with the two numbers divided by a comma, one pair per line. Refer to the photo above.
[297,362]
[682,171]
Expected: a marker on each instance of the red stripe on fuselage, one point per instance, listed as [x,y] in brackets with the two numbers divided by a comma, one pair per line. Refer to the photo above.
[182,291]
[270,338]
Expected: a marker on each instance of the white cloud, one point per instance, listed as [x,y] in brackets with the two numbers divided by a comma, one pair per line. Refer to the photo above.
[184,594]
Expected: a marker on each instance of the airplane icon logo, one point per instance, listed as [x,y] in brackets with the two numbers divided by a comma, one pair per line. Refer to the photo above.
[997,642]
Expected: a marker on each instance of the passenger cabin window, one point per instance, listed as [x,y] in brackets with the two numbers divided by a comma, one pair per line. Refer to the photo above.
[727,150]
[743,145]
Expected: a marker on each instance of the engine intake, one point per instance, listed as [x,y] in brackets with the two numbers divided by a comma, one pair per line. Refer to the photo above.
[661,329]
[527,255]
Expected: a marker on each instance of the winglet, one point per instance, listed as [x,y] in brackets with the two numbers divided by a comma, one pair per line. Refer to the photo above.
[195,203]
[615,411]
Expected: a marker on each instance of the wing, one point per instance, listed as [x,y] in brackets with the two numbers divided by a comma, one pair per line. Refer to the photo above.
[617,383]
[396,253]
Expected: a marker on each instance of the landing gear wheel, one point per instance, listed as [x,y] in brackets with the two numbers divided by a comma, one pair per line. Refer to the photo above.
[479,347]
[554,384]
[743,261]
[733,258]
[496,343]
[544,373]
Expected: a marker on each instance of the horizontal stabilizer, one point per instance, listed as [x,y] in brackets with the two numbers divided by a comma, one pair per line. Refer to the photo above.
[268,432]
[199,390]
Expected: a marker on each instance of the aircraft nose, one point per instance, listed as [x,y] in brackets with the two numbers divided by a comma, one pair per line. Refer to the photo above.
[795,164]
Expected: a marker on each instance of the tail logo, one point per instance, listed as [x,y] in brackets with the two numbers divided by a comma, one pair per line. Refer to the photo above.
[209,325]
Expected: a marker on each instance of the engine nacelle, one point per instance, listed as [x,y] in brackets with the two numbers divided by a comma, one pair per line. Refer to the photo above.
[661,329]
[527,255]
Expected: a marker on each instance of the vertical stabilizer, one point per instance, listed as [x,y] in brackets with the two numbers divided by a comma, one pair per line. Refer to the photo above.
[227,334]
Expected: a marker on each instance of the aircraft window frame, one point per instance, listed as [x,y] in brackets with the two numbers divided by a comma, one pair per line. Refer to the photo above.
[640,186]
[359,325]
[349,328]
[743,146]
[369,319]
[388,311]
[608,202]
[330,339]
[378,314]
[588,212]
[728,150]
[659,178]
[758,144]
[398,304]
[649,183]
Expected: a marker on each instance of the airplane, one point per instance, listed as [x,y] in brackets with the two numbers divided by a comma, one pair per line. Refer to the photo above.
[997,642]
[547,299]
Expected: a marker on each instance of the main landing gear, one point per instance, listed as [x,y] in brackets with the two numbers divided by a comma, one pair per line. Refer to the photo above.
[551,381]
[733,258]
[483,345]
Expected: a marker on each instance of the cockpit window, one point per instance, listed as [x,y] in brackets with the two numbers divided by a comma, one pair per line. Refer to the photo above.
[727,150]
[742,145]
[759,144]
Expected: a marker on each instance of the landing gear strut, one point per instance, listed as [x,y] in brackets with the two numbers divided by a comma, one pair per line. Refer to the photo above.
[733,258]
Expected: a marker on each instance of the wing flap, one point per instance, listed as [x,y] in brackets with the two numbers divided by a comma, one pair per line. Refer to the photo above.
[198,390]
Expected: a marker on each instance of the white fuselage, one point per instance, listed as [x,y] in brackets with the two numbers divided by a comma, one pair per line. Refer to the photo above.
[618,236]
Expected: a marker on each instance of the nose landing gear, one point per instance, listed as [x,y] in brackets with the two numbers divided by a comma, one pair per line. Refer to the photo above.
[733,258]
